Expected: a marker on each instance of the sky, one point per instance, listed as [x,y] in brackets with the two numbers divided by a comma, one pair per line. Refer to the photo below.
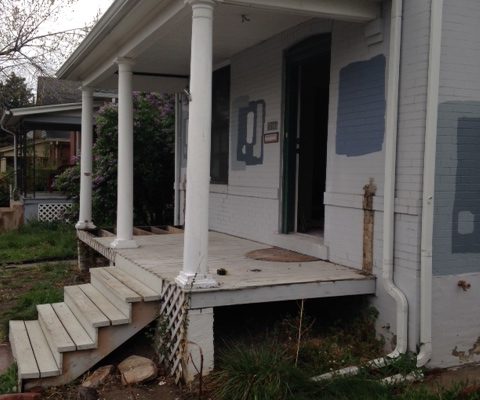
[81,13]
[78,15]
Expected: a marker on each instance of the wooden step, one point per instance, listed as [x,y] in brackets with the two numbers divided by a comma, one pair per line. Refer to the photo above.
[128,280]
[76,331]
[47,366]
[22,351]
[112,283]
[57,337]
[115,316]
[115,291]
[86,312]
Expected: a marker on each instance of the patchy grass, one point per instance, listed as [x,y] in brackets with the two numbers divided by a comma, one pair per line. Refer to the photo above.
[8,380]
[22,288]
[265,365]
[38,241]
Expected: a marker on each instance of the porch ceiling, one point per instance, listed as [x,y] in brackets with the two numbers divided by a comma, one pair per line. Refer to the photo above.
[160,44]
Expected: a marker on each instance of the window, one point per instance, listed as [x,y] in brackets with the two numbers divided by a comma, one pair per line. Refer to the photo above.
[220,126]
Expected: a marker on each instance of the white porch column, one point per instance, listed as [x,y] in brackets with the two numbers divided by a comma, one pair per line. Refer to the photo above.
[85,212]
[195,250]
[124,239]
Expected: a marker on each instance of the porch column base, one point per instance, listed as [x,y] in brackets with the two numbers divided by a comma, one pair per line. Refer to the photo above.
[124,244]
[199,281]
[85,225]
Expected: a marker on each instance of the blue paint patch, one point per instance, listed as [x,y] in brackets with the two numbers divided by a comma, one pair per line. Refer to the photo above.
[251,123]
[466,209]
[361,108]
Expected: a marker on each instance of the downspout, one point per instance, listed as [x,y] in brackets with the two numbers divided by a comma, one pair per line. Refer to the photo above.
[390,177]
[178,121]
[15,167]
[389,199]
[436,16]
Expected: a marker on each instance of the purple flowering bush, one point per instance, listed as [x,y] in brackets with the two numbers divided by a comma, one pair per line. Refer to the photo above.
[154,141]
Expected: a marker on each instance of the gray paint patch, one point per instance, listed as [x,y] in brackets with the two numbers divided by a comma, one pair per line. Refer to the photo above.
[456,243]
[247,133]
[467,187]
[361,108]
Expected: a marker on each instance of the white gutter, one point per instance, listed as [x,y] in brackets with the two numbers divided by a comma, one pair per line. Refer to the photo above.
[15,161]
[389,199]
[436,15]
[389,182]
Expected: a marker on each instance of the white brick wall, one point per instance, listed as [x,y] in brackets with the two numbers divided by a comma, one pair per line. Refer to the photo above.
[456,327]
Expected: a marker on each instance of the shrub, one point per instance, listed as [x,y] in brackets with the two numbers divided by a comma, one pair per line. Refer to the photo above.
[154,143]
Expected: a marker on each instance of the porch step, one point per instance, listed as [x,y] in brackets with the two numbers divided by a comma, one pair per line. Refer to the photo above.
[76,331]
[57,337]
[32,352]
[72,336]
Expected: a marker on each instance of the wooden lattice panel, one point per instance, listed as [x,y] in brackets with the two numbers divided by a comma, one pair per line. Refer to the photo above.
[52,211]
[89,239]
[173,312]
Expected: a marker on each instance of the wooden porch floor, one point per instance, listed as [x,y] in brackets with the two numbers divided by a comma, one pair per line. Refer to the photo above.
[160,257]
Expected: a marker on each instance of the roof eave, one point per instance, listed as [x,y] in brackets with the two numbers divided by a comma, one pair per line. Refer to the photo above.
[111,17]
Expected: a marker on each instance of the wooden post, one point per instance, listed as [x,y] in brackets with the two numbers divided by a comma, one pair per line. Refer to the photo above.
[368,226]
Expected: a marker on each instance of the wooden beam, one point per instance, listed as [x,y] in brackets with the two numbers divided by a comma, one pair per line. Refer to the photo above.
[272,293]
[346,10]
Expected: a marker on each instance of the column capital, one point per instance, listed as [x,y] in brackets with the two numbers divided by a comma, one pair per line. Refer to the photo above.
[125,63]
[207,3]
[87,89]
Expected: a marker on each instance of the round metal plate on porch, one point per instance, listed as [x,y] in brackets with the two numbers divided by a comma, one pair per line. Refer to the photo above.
[277,254]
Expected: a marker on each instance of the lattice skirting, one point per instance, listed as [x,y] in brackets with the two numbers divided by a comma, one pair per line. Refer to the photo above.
[52,211]
[89,239]
[173,312]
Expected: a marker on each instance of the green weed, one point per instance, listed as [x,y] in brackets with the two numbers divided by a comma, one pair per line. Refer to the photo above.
[38,241]
[8,380]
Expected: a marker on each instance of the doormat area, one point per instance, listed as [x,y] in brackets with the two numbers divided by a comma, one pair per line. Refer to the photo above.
[279,255]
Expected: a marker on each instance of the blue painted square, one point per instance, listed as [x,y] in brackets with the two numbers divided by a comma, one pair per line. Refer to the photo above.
[361,108]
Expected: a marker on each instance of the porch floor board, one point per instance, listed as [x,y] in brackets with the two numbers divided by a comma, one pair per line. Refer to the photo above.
[247,280]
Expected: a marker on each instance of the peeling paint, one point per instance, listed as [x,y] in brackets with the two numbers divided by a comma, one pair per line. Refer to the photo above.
[468,355]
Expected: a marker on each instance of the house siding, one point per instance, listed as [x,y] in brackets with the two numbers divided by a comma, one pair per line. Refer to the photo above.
[250,205]
[456,246]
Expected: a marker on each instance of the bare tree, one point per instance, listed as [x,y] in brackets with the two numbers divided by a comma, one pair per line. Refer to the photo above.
[29,43]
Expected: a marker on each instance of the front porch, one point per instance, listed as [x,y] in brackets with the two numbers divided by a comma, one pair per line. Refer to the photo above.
[159,259]
[187,311]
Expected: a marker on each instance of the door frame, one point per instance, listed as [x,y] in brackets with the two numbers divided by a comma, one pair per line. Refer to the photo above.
[293,57]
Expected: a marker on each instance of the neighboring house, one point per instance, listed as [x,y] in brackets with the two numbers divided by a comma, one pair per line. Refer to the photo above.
[345,130]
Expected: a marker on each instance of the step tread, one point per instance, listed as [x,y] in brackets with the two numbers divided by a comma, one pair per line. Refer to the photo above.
[76,331]
[143,290]
[57,337]
[122,291]
[106,307]
[86,306]
[46,363]
[22,351]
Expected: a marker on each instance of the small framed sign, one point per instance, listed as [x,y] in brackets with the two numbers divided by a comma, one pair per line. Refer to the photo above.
[270,137]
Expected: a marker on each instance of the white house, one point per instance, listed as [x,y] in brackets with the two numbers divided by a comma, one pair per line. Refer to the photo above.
[347,130]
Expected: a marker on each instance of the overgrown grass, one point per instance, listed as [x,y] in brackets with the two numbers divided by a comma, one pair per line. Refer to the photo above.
[21,289]
[38,241]
[264,367]
[8,380]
